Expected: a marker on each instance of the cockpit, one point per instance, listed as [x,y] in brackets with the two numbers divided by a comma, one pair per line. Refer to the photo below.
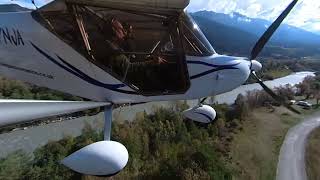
[147,51]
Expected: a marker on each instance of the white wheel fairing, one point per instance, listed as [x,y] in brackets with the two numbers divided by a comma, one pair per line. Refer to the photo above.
[102,158]
[203,114]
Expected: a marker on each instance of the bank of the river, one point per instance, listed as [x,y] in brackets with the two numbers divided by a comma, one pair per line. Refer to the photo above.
[31,138]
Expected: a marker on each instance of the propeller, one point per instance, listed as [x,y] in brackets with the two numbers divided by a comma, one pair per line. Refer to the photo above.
[203,100]
[256,66]
[276,97]
[267,35]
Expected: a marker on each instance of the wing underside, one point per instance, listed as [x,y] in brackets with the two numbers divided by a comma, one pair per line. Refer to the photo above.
[164,6]
[23,111]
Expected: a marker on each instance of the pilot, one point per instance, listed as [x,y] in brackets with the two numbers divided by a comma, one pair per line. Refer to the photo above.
[120,63]
[129,44]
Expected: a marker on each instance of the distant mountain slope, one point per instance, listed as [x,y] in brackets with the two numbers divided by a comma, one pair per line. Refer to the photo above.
[240,33]
[226,39]
[12,8]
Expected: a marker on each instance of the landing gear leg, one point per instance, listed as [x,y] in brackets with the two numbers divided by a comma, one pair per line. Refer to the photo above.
[107,122]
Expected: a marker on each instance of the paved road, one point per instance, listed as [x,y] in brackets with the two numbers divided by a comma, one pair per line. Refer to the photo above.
[291,164]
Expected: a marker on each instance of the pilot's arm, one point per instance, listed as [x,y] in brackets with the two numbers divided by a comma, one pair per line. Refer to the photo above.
[122,65]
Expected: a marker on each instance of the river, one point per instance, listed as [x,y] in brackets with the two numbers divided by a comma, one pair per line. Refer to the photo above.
[31,138]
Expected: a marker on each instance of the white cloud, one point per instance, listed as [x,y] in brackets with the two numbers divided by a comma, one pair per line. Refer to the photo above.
[304,13]
[317,26]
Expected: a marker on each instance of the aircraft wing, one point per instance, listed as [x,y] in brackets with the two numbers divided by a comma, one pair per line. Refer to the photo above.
[152,6]
[23,111]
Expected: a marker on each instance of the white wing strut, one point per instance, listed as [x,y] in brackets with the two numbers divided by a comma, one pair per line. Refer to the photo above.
[23,111]
[108,122]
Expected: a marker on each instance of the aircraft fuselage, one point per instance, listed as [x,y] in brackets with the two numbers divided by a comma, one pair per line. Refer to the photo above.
[33,54]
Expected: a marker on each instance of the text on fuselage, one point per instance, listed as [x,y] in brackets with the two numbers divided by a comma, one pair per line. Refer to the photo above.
[11,36]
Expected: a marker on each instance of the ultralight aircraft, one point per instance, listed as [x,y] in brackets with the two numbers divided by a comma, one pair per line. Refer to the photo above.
[117,52]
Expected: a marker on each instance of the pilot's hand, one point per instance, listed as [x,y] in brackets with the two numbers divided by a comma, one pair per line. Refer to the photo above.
[160,60]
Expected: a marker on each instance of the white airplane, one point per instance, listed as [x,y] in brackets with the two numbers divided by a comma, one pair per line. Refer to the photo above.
[116,52]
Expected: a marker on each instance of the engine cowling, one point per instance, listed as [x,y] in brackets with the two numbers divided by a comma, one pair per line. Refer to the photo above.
[104,158]
[202,113]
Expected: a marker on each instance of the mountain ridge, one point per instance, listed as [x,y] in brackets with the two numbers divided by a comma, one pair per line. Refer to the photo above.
[238,15]
[288,41]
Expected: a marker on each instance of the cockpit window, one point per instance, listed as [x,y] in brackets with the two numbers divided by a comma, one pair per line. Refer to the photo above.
[144,51]
[195,43]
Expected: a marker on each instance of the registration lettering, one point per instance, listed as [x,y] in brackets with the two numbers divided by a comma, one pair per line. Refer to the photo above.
[11,36]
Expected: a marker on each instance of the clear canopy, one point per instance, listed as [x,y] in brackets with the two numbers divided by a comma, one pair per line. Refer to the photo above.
[196,44]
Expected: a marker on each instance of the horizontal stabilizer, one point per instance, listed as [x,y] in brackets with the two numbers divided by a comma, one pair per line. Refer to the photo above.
[23,111]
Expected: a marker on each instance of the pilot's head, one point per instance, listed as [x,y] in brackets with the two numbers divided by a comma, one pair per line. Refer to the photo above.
[119,33]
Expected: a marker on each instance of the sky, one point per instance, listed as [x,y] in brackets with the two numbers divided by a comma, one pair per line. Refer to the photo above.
[306,13]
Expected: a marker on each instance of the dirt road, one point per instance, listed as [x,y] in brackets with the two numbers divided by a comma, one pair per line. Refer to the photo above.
[291,164]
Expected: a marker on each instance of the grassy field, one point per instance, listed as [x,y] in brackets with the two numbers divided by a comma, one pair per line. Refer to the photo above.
[313,155]
[255,149]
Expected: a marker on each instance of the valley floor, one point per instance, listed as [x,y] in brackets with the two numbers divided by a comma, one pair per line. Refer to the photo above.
[254,151]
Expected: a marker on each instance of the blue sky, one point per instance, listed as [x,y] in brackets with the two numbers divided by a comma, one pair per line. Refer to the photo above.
[306,14]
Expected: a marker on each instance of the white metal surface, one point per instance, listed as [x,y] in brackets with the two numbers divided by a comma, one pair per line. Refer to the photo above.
[107,122]
[22,111]
[202,114]
[101,159]
[256,66]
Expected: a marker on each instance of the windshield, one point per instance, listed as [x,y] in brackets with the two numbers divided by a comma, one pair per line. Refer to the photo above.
[195,41]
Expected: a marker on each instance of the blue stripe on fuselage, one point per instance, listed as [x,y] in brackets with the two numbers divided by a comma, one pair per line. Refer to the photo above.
[71,69]
[205,115]
[216,68]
